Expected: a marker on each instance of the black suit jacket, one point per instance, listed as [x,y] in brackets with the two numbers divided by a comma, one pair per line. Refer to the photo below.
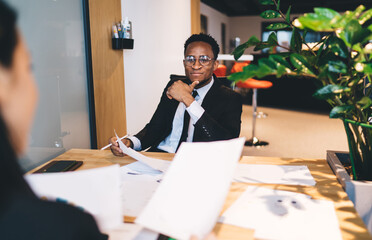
[26,217]
[220,121]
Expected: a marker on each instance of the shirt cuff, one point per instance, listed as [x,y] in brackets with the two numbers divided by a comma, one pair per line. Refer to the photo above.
[195,111]
[136,143]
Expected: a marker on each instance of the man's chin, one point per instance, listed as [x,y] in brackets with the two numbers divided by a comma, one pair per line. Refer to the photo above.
[203,83]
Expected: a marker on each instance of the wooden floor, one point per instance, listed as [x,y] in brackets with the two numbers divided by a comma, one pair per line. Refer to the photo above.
[293,133]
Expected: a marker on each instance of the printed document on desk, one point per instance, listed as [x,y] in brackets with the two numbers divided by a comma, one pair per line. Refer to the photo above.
[157,164]
[283,215]
[193,190]
[96,190]
[274,174]
[138,186]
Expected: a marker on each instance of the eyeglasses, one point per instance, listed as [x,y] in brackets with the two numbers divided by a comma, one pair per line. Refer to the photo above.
[203,60]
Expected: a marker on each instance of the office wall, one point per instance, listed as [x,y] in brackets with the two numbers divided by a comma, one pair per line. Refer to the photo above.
[215,19]
[160,29]
[54,34]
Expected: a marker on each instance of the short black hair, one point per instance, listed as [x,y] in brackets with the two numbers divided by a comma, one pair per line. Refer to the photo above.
[202,37]
[8,34]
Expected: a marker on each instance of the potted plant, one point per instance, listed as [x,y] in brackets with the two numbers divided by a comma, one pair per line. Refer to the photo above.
[340,63]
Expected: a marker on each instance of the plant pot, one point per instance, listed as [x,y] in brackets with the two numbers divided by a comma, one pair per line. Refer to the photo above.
[359,137]
[359,192]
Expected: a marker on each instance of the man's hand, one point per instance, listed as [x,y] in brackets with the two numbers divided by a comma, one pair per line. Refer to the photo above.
[115,149]
[182,92]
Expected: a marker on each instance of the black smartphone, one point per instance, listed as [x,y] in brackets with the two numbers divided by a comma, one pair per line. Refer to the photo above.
[60,166]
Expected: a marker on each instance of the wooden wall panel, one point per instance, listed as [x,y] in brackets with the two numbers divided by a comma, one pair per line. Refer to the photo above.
[108,71]
[195,16]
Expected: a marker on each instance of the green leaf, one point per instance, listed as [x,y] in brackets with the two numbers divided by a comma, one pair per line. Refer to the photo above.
[261,45]
[281,71]
[300,63]
[326,12]
[329,91]
[351,30]
[321,20]
[272,40]
[280,61]
[270,14]
[337,66]
[266,2]
[364,67]
[340,111]
[362,36]
[248,72]
[365,16]
[277,26]
[288,15]
[238,52]
[365,102]
[268,62]
[338,47]
[296,40]
[278,5]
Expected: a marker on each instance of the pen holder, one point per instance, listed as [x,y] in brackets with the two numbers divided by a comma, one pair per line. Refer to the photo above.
[122,43]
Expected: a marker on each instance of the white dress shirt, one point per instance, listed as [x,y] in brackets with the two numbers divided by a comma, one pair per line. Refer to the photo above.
[195,110]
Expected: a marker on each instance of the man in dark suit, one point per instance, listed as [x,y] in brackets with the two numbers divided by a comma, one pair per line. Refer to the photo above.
[195,108]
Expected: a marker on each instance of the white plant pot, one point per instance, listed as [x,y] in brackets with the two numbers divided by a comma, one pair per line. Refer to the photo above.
[359,192]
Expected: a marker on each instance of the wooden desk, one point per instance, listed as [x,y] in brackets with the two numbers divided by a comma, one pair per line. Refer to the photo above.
[327,187]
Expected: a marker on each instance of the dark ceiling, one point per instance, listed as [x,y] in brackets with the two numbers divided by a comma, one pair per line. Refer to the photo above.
[253,7]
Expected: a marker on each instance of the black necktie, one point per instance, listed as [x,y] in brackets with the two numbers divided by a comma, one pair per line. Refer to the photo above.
[186,121]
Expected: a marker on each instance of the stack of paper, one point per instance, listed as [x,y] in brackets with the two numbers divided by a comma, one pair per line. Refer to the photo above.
[275,174]
[96,190]
[275,214]
[193,190]
[139,184]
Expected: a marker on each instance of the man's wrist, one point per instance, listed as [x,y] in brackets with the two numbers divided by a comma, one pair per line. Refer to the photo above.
[130,143]
[188,99]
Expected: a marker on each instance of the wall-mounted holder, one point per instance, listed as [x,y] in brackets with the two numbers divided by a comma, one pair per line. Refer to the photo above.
[122,43]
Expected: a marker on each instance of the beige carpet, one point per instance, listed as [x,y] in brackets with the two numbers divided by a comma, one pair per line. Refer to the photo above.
[293,134]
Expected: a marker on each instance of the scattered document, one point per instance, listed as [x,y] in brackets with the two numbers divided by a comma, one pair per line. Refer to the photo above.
[125,231]
[141,168]
[157,164]
[275,174]
[193,190]
[138,186]
[275,214]
[97,191]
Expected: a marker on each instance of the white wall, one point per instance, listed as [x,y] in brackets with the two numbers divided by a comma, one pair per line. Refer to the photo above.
[160,29]
[215,19]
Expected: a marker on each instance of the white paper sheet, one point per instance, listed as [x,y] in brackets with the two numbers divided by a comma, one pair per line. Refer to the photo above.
[125,231]
[275,174]
[137,188]
[96,190]
[275,214]
[193,190]
[156,164]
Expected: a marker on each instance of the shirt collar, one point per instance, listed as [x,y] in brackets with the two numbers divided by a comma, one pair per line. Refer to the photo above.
[204,90]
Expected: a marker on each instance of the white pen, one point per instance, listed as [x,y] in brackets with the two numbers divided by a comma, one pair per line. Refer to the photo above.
[109,145]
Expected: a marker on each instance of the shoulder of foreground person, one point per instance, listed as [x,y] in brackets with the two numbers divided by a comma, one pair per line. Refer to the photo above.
[31,218]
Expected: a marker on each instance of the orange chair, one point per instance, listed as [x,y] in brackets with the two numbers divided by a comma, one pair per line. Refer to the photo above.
[255,84]
[238,66]
[220,71]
